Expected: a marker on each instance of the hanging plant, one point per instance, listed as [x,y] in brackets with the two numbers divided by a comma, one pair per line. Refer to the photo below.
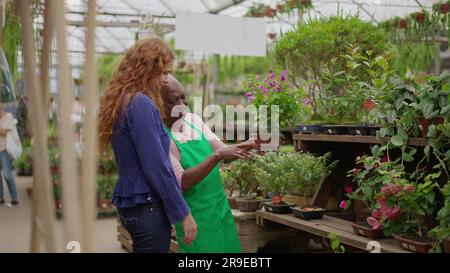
[444,8]
[420,17]
[11,35]
[403,23]
[269,12]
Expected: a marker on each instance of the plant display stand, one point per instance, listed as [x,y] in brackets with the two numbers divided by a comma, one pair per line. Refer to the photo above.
[323,227]
[254,237]
[344,148]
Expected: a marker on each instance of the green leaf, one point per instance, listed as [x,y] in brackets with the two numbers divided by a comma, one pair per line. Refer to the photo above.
[397,141]
[407,157]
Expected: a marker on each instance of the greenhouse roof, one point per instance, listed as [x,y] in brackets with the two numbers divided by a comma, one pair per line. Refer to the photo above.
[119,20]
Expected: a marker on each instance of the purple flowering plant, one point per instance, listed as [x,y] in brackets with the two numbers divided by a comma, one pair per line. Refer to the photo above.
[275,89]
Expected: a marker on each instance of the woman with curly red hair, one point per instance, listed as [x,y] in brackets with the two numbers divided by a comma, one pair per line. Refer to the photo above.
[147,195]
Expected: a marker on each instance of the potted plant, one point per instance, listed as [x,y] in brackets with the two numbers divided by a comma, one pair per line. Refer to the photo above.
[441,233]
[300,173]
[369,176]
[241,176]
[400,205]
[327,57]
[308,171]
[433,104]
[274,90]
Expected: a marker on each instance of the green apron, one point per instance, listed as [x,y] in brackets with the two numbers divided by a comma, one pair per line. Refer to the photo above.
[209,205]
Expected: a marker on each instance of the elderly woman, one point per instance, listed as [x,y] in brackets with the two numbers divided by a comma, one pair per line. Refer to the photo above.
[195,154]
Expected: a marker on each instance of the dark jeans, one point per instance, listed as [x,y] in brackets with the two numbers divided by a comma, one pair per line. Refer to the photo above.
[148,226]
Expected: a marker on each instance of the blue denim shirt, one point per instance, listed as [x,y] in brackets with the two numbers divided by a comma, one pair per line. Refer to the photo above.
[141,150]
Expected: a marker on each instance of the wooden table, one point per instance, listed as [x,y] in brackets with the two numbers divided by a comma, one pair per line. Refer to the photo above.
[254,237]
[323,227]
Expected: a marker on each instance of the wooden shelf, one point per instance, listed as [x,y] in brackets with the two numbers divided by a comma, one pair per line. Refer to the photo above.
[354,139]
[323,227]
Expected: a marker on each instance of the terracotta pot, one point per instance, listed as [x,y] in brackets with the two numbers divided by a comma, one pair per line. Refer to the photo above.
[446,244]
[413,245]
[276,199]
[444,8]
[364,229]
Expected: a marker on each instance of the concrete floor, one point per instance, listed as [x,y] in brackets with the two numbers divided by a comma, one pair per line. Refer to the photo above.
[15,225]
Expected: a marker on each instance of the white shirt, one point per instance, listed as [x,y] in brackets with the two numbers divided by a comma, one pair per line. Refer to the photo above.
[6,122]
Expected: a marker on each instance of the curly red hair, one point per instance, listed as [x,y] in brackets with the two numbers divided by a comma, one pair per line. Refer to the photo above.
[141,70]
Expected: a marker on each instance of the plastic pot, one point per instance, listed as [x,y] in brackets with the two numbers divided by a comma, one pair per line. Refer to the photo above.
[309,129]
[416,243]
[334,129]
[358,130]
[248,205]
[364,229]
[308,212]
[277,208]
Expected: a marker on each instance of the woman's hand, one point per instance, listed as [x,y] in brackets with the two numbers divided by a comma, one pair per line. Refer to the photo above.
[189,229]
[232,153]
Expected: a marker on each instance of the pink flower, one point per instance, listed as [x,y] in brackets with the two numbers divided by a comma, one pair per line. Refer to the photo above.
[408,188]
[376,214]
[250,96]
[374,223]
[384,159]
[263,89]
[284,72]
[343,204]
[282,78]
[390,213]
[307,101]
[271,84]
[257,77]
[349,189]
[272,75]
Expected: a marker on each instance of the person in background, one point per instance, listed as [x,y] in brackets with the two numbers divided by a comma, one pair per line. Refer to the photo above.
[195,155]
[147,195]
[7,123]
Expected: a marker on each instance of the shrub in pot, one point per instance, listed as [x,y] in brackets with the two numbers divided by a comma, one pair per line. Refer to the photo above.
[274,89]
[370,174]
[317,55]
[299,173]
[240,176]
[442,232]
[400,205]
